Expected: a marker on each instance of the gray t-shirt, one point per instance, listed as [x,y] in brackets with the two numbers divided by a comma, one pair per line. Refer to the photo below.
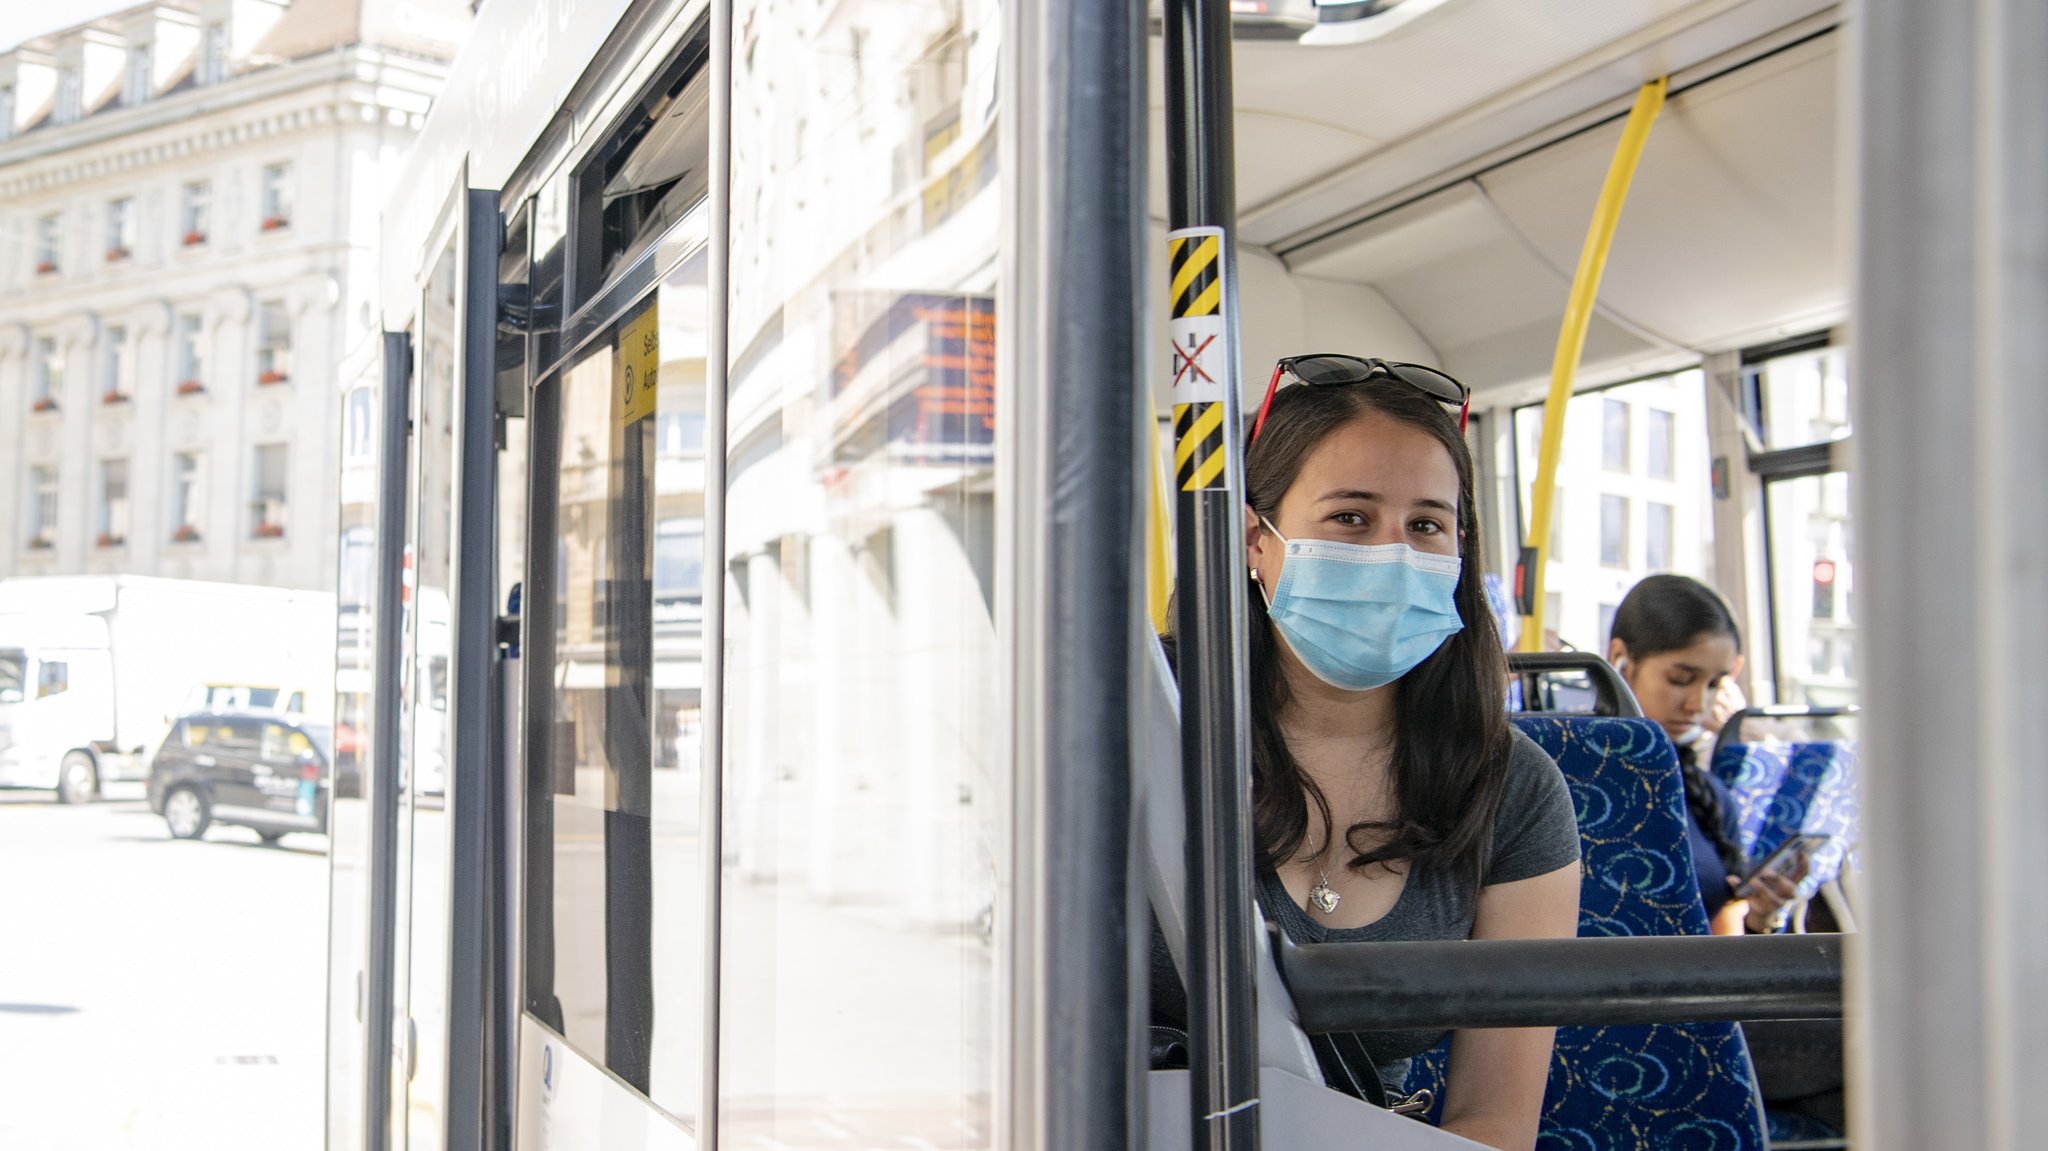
[1534,833]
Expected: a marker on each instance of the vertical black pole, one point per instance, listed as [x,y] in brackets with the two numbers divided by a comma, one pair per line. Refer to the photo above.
[393,497]
[1209,619]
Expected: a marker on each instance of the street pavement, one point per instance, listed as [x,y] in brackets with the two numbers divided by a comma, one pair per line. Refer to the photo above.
[157,995]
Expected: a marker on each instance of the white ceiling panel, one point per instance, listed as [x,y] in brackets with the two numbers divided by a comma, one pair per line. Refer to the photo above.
[1732,219]
[1730,234]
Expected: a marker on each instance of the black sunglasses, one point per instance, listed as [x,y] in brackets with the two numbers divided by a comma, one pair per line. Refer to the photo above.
[1329,370]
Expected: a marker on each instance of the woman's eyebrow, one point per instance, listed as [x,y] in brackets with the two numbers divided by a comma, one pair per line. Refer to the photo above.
[1362,496]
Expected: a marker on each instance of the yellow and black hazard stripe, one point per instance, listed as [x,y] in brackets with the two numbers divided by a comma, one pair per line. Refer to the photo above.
[1198,446]
[1197,275]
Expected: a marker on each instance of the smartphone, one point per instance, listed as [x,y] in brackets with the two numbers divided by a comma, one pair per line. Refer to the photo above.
[1786,860]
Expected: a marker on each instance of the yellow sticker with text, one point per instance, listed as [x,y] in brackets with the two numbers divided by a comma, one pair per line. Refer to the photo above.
[633,370]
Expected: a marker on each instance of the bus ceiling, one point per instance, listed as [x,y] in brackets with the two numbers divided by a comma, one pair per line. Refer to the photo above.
[1455,182]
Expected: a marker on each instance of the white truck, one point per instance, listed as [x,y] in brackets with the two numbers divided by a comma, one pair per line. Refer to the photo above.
[93,669]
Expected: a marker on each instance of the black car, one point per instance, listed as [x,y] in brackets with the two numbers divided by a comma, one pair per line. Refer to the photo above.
[262,770]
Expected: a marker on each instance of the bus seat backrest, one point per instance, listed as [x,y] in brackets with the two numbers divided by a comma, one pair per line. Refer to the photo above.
[1664,1085]
[1754,773]
[1788,788]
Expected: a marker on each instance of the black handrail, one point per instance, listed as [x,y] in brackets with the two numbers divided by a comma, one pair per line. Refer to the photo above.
[1598,982]
[1610,692]
[1733,727]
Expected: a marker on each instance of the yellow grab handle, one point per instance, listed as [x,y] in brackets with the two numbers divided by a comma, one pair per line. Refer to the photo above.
[1571,340]
[1158,544]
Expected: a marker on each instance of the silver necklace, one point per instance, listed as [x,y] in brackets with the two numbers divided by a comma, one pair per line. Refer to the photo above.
[1321,897]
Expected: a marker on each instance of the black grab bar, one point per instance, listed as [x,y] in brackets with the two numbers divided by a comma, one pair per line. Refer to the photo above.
[1733,727]
[1611,695]
[1597,982]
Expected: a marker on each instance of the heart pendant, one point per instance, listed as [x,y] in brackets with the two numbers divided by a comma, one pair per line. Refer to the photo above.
[1323,898]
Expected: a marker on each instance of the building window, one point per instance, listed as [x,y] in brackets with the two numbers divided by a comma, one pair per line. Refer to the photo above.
[358,577]
[357,419]
[267,493]
[1662,445]
[277,196]
[47,234]
[141,82]
[113,503]
[680,433]
[49,375]
[1607,611]
[115,390]
[68,96]
[679,560]
[6,112]
[273,344]
[120,229]
[191,369]
[1614,531]
[1658,524]
[188,495]
[213,59]
[1614,435]
[198,205]
[42,507]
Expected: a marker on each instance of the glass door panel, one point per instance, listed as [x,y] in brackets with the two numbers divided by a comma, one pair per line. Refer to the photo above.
[860,800]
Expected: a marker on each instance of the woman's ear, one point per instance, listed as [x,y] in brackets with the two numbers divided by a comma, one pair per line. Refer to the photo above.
[1252,528]
[1617,654]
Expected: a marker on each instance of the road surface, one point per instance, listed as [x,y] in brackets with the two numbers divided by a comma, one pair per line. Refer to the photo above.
[155,994]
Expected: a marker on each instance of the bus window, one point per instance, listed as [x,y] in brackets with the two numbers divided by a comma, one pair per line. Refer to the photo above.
[1803,399]
[1633,497]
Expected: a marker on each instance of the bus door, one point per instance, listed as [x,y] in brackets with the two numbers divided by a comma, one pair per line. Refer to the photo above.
[424,1090]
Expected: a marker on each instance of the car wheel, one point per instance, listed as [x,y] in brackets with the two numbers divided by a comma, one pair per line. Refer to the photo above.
[78,780]
[187,813]
[270,838]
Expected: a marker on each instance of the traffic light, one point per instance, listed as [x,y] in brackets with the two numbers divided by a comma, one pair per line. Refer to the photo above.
[1823,589]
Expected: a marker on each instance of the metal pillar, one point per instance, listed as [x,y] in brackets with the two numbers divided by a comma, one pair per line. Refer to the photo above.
[1209,620]
[1951,413]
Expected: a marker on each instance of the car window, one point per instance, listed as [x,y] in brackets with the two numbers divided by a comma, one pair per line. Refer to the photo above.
[240,733]
[52,678]
[281,742]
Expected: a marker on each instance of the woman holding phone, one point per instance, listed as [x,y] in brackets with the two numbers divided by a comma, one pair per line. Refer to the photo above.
[1677,645]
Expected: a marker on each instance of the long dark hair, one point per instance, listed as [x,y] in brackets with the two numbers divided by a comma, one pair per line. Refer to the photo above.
[1451,738]
[1671,613]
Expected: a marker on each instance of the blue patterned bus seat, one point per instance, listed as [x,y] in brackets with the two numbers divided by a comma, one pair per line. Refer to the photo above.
[1784,789]
[1685,1085]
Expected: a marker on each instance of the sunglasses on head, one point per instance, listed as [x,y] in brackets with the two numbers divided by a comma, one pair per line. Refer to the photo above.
[1329,370]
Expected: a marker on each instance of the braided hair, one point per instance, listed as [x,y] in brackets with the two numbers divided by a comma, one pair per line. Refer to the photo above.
[1670,613]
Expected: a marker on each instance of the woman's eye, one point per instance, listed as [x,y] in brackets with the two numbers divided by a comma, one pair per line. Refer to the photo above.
[1426,527]
[1349,519]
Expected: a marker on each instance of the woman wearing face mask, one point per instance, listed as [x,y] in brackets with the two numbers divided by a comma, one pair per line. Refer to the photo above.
[1676,644]
[1391,798]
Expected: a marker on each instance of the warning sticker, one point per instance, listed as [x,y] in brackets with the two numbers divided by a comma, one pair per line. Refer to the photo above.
[633,369]
[1201,356]
[1198,349]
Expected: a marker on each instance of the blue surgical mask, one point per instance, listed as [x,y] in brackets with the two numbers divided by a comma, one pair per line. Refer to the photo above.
[1359,616]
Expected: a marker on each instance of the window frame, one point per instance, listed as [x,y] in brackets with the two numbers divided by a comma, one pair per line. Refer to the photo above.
[276,196]
[261,499]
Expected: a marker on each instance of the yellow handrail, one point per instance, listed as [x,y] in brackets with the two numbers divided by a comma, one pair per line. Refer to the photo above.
[1571,340]
[1158,543]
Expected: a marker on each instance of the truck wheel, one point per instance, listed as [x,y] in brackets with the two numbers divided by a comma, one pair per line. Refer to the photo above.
[187,813]
[78,779]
